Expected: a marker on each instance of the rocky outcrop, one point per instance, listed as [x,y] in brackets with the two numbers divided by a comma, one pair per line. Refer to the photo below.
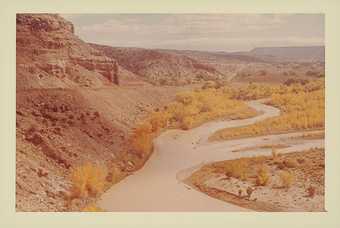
[49,55]
[44,22]
[105,66]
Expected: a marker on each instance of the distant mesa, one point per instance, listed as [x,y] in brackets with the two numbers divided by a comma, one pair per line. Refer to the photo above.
[288,54]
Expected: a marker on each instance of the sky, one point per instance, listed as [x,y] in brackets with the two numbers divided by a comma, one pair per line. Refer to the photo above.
[209,32]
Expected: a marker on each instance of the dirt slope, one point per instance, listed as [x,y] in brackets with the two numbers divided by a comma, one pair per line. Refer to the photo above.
[74,105]
[161,67]
[58,129]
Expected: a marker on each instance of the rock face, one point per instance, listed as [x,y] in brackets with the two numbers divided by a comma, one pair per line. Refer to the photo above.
[49,55]
[161,67]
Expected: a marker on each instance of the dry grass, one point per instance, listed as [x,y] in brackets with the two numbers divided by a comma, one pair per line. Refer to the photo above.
[263,176]
[287,179]
[92,208]
[88,180]
[237,169]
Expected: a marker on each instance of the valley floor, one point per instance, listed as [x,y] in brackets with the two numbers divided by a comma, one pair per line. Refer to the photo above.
[162,184]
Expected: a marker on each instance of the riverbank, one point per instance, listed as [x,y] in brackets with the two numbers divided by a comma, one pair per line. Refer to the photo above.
[283,182]
[158,185]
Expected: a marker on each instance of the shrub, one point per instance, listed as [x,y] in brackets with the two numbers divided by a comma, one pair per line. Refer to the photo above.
[187,123]
[250,190]
[92,208]
[195,107]
[287,179]
[143,128]
[311,190]
[142,144]
[141,140]
[302,108]
[240,193]
[158,120]
[88,180]
[262,178]
[290,163]
[237,169]
[184,97]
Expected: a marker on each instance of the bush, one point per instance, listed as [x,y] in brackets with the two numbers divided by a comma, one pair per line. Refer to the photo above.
[158,120]
[290,163]
[250,190]
[237,169]
[184,97]
[311,190]
[88,180]
[287,179]
[302,107]
[263,177]
[92,208]
[141,139]
[187,123]
[195,107]
[142,144]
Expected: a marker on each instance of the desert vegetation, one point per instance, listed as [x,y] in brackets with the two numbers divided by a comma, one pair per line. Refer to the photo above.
[196,107]
[88,180]
[281,182]
[254,91]
[189,109]
[92,208]
[301,102]
[302,108]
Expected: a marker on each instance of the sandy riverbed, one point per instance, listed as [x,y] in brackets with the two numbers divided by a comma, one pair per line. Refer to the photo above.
[158,185]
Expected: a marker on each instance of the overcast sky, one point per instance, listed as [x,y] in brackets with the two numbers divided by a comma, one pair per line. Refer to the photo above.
[214,32]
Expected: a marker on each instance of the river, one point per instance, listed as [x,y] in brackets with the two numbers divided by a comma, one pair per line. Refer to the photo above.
[177,153]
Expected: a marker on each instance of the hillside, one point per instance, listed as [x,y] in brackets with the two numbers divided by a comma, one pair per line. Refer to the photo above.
[161,67]
[271,65]
[178,67]
[74,105]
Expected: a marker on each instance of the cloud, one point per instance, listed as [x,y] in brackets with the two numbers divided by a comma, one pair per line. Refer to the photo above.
[200,31]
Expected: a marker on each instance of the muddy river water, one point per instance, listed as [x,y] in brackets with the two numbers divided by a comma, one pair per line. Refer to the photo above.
[158,186]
